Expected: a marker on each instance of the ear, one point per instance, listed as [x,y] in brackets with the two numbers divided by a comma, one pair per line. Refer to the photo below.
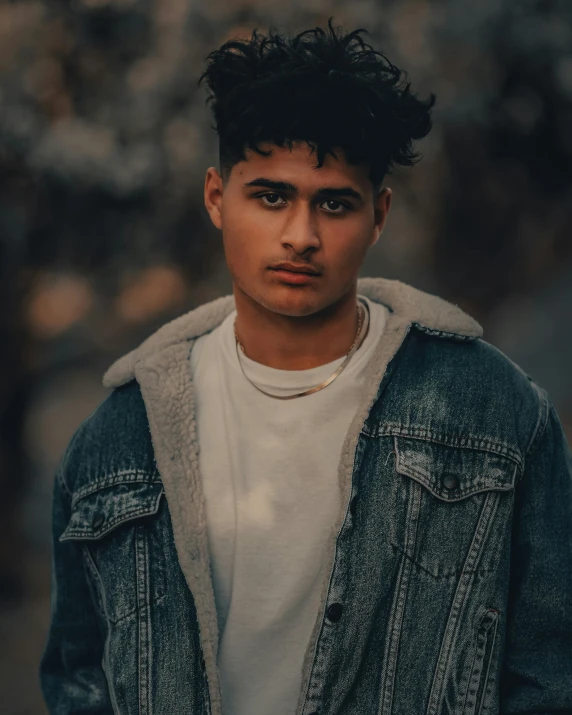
[381,208]
[213,195]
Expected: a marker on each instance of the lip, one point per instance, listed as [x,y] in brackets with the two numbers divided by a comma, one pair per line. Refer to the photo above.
[295,268]
[294,277]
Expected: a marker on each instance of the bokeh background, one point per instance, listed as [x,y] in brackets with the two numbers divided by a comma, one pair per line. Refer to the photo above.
[104,143]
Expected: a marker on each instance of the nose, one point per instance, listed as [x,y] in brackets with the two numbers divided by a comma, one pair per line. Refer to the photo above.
[301,230]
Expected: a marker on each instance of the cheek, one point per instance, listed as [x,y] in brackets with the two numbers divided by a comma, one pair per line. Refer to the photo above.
[240,249]
[347,249]
[249,235]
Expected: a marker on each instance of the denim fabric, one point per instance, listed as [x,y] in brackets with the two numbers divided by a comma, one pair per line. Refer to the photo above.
[450,591]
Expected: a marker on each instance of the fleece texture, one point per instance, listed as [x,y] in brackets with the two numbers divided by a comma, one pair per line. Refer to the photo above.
[161,365]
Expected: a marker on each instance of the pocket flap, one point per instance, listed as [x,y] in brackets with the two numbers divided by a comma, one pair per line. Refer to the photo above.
[100,511]
[453,473]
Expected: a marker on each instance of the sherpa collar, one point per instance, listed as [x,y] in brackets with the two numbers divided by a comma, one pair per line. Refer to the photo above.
[410,304]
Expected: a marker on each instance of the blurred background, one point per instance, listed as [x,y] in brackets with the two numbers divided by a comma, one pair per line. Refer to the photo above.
[104,144]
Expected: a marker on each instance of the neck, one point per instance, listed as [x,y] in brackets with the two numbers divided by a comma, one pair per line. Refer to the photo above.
[288,342]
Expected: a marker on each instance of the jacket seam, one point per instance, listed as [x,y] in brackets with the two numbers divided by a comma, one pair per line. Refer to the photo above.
[148,509]
[456,442]
[438,333]
[541,422]
[60,478]
[124,476]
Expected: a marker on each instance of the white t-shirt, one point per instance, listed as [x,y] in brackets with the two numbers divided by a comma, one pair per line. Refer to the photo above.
[269,471]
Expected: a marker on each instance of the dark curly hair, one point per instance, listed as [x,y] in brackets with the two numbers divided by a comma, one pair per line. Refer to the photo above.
[327,89]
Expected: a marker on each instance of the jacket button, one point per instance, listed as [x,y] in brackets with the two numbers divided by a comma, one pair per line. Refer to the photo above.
[334,612]
[353,505]
[98,521]
[450,481]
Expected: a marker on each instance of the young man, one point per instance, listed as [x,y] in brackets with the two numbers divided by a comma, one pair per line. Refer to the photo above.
[319,494]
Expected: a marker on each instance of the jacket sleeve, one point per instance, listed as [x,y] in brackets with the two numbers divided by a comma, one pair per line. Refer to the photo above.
[71,676]
[537,668]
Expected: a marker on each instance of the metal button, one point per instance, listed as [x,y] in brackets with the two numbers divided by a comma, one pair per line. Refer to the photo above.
[450,481]
[98,521]
[334,612]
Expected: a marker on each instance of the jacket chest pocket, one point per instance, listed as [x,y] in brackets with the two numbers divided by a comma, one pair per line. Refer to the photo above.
[121,545]
[455,505]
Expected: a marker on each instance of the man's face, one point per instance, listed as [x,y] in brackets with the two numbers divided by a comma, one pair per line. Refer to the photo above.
[326,219]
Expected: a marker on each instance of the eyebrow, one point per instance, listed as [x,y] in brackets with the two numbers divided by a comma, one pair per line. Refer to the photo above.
[325,192]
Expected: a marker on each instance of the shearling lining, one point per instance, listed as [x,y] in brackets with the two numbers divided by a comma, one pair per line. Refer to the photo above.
[412,304]
[162,368]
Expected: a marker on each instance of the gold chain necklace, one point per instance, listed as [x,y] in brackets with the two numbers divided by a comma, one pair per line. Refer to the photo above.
[360,334]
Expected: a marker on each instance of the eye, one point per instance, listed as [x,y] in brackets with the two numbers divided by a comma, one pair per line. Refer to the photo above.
[271,203]
[343,207]
[338,209]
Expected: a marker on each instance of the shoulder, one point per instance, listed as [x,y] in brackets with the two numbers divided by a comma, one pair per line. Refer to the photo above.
[112,443]
[472,387]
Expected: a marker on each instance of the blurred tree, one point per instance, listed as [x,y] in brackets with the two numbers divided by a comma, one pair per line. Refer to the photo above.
[104,139]
[506,211]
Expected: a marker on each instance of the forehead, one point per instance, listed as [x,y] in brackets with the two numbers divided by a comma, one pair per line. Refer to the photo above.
[298,165]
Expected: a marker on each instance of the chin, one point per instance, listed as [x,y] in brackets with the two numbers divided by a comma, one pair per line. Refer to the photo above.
[291,302]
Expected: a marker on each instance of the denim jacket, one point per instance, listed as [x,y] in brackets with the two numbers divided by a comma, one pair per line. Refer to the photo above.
[449,590]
